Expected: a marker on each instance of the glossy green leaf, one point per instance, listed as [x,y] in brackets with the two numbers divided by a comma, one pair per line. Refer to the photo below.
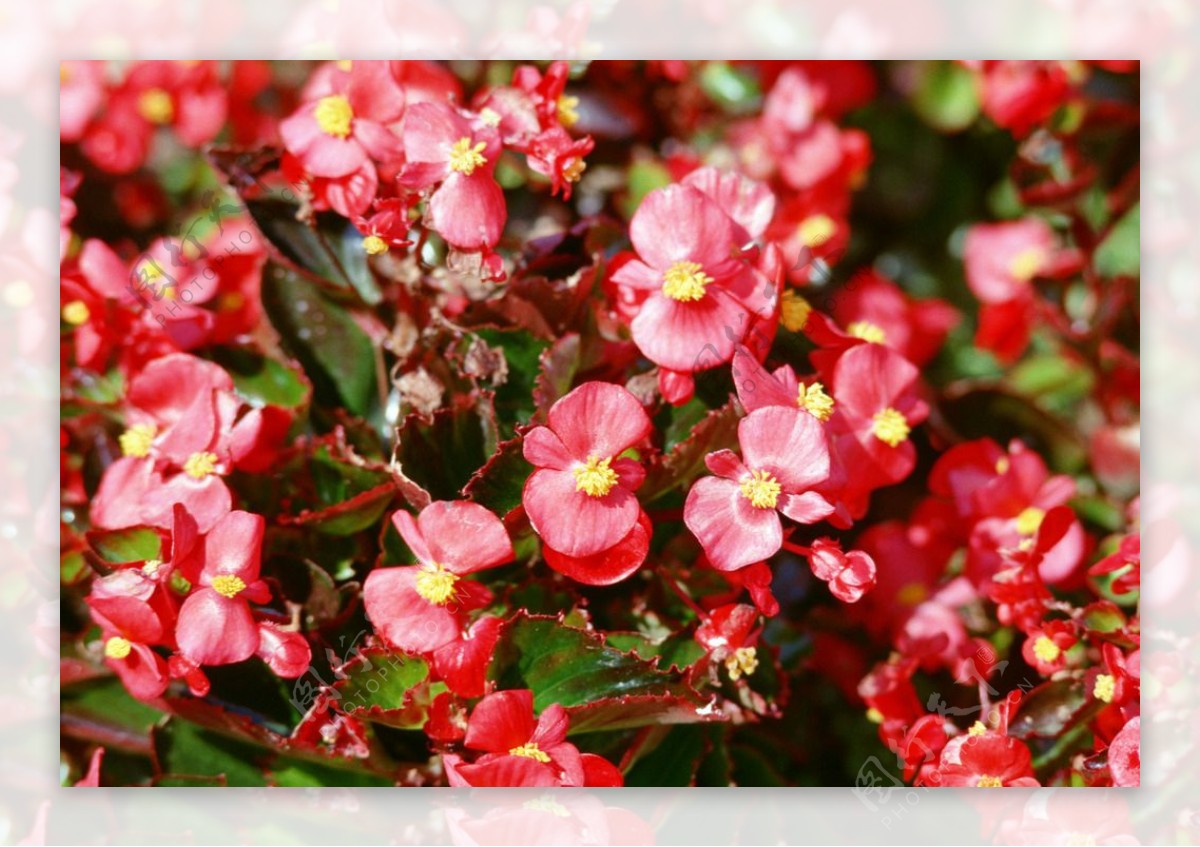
[119,546]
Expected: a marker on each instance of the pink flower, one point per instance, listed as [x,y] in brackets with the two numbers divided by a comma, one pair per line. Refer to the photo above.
[580,499]
[346,128]
[421,608]
[134,616]
[735,514]
[700,293]
[459,156]
[216,626]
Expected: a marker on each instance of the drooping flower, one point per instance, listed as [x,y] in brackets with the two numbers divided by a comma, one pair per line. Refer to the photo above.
[347,127]
[850,575]
[216,625]
[130,611]
[421,608]
[735,513]
[580,499]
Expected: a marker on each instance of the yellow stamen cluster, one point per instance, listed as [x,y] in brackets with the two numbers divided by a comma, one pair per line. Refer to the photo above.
[436,584]
[228,585]
[890,427]
[794,311]
[334,115]
[200,465]
[1027,263]
[685,282]
[1002,465]
[530,750]
[1030,520]
[76,313]
[465,158]
[1046,650]
[574,169]
[815,230]
[978,728]
[136,440]
[815,401]
[155,105]
[986,781]
[374,245]
[568,112]
[1105,688]
[151,567]
[596,478]
[742,661]
[117,647]
[761,489]
[344,65]
[867,331]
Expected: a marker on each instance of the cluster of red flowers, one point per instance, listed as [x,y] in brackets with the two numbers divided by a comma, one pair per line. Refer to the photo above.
[421,386]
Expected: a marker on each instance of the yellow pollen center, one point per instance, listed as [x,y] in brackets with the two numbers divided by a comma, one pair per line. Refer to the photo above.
[530,751]
[574,169]
[568,113]
[761,489]
[136,440]
[912,594]
[815,401]
[1027,263]
[374,245]
[596,478]
[151,567]
[815,230]
[986,781]
[490,116]
[1002,465]
[867,331]
[794,311]
[890,427]
[874,715]
[200,465]
[1046,650]
[685,282]
[117,648]
[436,584]
[344,65]
[743,660]
[464,158]
[1105,688]
[76,312]
[228,585]
[334,115]
[977,729]
[1030,520]
[155,105]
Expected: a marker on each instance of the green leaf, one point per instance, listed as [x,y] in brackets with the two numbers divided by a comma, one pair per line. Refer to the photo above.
[350,516]
[120,546]
[684,461]
[673,761]
[101,710]
[443,451]
[601,687]
[645,175]
[186,750]
[498,485]
[1049,709]
[947,96]
[72,568]
[261,380]
[1119,254]
[385,687]
[729,88]
[337,354]
[557,367]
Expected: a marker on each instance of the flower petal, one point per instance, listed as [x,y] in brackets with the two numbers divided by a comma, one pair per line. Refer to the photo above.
[216,630]
[789,443]
[599,419]
[403,617]
[572,522]
[732,532]
[463,536]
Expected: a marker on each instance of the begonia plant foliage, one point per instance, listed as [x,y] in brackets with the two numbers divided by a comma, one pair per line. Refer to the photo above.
[596,424]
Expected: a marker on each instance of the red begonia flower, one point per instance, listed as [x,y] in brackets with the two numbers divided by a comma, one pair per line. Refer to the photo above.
[735,513]
[729,635]
[1045,648]
[134,616]
[345,128]
[462,664]
[850,575]
[873,308]
[580,499]
[420,608]
[444,148]
[1124,755]
[1001,259]
[216,626]
[286,653]
[986,759]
